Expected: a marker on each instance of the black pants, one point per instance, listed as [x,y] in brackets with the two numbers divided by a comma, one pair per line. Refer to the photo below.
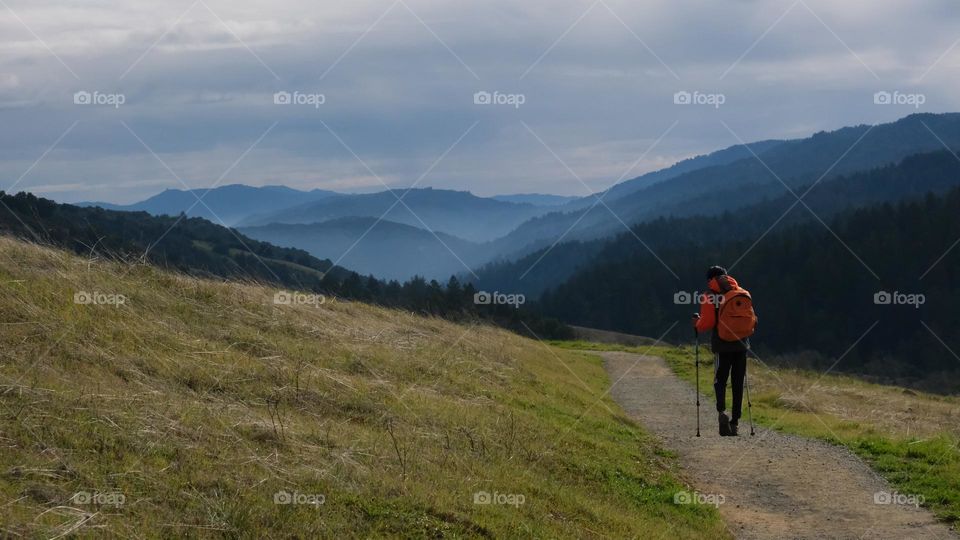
[723,364]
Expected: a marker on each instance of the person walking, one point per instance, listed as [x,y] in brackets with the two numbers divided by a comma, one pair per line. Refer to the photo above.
[727,311]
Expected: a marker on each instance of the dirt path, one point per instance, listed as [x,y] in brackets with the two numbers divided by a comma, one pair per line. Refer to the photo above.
[774,485]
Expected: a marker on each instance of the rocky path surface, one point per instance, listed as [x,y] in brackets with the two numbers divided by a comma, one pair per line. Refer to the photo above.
[772,485]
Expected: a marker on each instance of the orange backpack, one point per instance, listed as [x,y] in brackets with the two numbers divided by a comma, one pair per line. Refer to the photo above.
[736,319]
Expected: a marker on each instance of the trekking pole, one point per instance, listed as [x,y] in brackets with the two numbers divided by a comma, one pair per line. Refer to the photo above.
[746,381]
[696,348]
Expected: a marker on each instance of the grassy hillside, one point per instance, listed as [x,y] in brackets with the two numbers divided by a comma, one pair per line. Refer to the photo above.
[911,438]
[200,248]
[190,245]
[190,407]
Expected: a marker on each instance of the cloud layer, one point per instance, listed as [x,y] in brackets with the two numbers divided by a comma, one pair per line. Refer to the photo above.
[398,81]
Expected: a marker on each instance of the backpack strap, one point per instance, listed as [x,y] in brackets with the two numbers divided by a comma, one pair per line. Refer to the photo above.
[716,310]
[724,287]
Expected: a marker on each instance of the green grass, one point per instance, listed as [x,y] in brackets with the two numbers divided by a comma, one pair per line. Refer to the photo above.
[199,401]
[909,437]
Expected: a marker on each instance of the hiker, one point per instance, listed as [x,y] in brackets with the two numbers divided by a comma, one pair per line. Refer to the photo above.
[728,311]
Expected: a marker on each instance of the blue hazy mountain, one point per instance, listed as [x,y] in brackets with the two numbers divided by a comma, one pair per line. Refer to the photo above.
[383,248]
[536,199]
[224,205]
[458,213]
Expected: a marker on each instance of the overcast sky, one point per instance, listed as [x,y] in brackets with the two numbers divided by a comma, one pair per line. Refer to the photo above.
[587,88]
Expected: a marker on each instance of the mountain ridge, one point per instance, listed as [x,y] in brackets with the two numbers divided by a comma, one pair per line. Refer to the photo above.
[913,177]
[225,205]
[458,213]
[738,183]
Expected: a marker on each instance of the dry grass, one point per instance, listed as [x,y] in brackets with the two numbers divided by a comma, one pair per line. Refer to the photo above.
[886,409]
[196,402]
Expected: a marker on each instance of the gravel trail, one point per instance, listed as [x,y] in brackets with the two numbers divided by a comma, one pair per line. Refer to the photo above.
[773,485]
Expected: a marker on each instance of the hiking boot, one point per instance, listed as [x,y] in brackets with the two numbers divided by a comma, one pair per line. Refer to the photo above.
[733,429]
[724,425]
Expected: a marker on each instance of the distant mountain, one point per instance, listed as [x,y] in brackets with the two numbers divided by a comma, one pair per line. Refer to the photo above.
[744,181]
[370,246]
[934,172]
[796,163]
[536,199]
[229,203]
[459,213]
[720,157]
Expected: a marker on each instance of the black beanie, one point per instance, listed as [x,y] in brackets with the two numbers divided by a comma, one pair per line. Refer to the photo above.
[715,271]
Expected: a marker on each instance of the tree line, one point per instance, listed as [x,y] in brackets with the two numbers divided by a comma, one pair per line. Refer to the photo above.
[874,289]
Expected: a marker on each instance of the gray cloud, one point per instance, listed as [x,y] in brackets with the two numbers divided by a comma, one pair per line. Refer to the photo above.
[200,92]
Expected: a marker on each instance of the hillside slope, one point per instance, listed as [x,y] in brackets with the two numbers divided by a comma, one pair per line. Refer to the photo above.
[745,181]
[915,176]
[191,245]
[198,247]
[712,159]
[195,408]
